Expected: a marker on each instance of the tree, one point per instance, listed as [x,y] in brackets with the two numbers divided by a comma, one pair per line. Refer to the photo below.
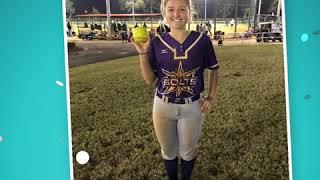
[273,6]
[127,5]
[269,6]
[246,13]
[69,8]
[155,6]
[95,10]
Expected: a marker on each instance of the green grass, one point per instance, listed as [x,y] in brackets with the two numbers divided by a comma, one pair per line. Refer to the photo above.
[244,137]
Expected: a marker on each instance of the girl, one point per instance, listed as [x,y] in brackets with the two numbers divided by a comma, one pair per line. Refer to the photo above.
[177,61]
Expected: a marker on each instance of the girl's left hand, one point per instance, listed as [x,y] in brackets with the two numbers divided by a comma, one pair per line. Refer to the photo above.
[206,104]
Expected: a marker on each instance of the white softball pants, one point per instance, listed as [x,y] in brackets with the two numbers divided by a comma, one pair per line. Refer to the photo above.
[177,127]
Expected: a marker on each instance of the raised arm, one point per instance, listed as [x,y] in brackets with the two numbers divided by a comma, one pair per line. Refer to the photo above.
[145,66]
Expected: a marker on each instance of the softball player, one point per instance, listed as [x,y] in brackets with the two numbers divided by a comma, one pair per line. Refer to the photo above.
[177,61]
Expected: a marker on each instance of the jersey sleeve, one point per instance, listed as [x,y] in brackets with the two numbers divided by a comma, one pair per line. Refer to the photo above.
[152,58]
[210,59]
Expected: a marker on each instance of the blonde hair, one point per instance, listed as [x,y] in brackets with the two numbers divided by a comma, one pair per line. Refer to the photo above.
[164,4]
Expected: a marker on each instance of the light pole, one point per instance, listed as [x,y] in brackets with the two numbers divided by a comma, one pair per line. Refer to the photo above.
[205,10]
[278,10]
[151,12]
[249,15]
[259,10]
[236,17]
[134,22]
[108,17]
[215,16]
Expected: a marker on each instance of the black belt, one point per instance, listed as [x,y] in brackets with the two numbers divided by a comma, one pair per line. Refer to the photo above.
[178,100]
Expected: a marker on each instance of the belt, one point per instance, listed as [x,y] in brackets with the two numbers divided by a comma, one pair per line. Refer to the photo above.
[188,100]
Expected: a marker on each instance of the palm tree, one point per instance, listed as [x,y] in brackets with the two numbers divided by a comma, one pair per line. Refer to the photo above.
[69,8]
[131,6]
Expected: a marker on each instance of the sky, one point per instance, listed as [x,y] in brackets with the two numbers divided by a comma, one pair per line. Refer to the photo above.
[82,5]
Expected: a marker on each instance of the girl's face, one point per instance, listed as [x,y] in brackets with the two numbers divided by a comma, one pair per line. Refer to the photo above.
[177,13]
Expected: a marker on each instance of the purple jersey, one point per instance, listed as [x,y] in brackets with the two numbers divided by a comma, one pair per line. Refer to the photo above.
[179,67]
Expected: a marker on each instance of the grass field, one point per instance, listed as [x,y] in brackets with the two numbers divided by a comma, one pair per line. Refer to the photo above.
[244,137]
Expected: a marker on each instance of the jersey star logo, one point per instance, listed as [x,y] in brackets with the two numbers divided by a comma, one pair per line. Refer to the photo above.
[179,81]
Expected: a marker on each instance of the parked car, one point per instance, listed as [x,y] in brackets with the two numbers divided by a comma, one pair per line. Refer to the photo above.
[268,36]
[269,31]
[88,35]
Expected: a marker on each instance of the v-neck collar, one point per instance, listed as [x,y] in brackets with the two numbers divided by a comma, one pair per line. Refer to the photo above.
[185,40]
[180,51]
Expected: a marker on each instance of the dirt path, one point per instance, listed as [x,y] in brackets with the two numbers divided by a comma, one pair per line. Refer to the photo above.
[99,50]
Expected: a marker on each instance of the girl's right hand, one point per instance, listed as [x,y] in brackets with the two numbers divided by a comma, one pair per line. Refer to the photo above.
[142,47]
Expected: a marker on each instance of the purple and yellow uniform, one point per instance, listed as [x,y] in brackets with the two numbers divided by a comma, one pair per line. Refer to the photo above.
[179,67]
